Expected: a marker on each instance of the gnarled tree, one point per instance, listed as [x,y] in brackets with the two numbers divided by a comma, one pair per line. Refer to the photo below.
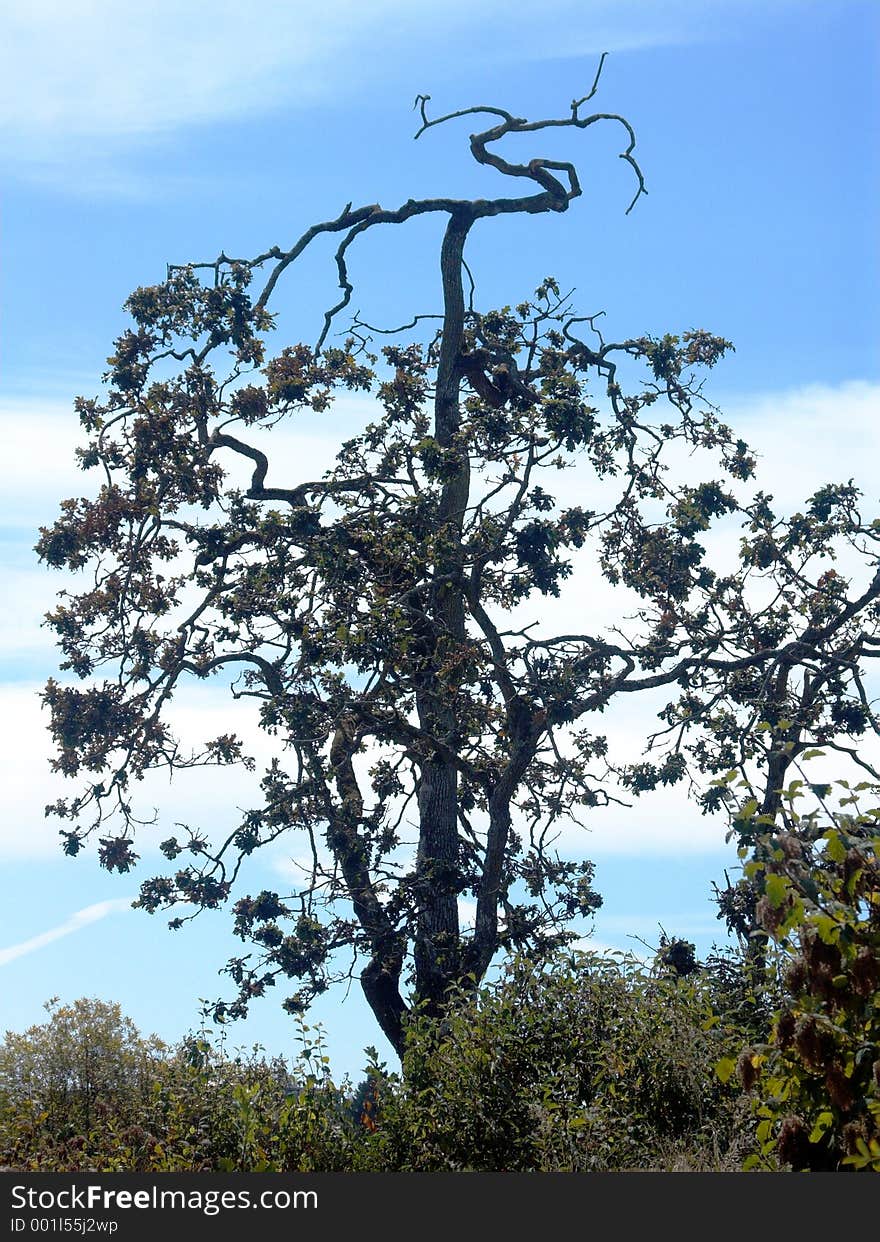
[371,611]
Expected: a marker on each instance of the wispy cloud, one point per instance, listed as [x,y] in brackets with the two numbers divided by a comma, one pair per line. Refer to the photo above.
[200,797]
[105,75]
[39,436]
[806,437]
[82,918]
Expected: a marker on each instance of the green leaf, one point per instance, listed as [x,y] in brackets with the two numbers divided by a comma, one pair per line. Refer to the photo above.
[835,849]
[823,1122]
[829,932]
[776,888]
[724,1068]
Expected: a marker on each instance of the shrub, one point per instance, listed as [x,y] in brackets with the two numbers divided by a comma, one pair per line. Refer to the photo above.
[815,1082]
[86,1058]
[581,1064]
[86,1092]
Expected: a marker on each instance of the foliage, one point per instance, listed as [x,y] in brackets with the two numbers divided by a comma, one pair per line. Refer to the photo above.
[815,1083]
[87,1054]
[586,1064]
[583,1064]
[193,1108]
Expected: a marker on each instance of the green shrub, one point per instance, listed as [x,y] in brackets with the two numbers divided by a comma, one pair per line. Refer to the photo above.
[582,1064]
[86,1092]
[61,1077]
[815,1082]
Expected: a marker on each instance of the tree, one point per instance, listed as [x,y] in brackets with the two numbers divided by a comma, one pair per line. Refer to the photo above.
[87,1052]
[376,613]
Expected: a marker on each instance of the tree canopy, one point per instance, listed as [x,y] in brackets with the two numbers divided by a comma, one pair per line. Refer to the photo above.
[391,618]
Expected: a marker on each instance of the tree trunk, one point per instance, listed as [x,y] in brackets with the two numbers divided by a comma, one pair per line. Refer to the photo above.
[436,948]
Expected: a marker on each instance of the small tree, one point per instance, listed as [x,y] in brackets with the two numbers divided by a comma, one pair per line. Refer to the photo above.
[86,1052]
[370,611]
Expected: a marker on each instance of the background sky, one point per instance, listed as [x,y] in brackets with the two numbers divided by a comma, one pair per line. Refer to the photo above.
[133,136]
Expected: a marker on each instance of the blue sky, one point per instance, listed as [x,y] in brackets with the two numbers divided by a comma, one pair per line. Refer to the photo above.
[133,138]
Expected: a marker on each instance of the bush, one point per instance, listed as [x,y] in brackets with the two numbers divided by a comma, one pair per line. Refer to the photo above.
[86,1092]
[87,1058]
[815,1083]
[580,1065]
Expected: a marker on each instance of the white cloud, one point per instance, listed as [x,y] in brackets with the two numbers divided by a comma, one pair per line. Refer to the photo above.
[604,949]
[297,869]
[39,436]
[806,437]
[73,71]
[24,774]
[674,922]
[209,799]
[803,439]
[82,918]
[665,822]
[37,465]
[26,598]
[38,469]
[89,67]
[467,913]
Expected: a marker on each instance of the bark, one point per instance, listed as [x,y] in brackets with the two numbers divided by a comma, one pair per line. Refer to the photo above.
[380,979]
[523,728]
[436,947]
